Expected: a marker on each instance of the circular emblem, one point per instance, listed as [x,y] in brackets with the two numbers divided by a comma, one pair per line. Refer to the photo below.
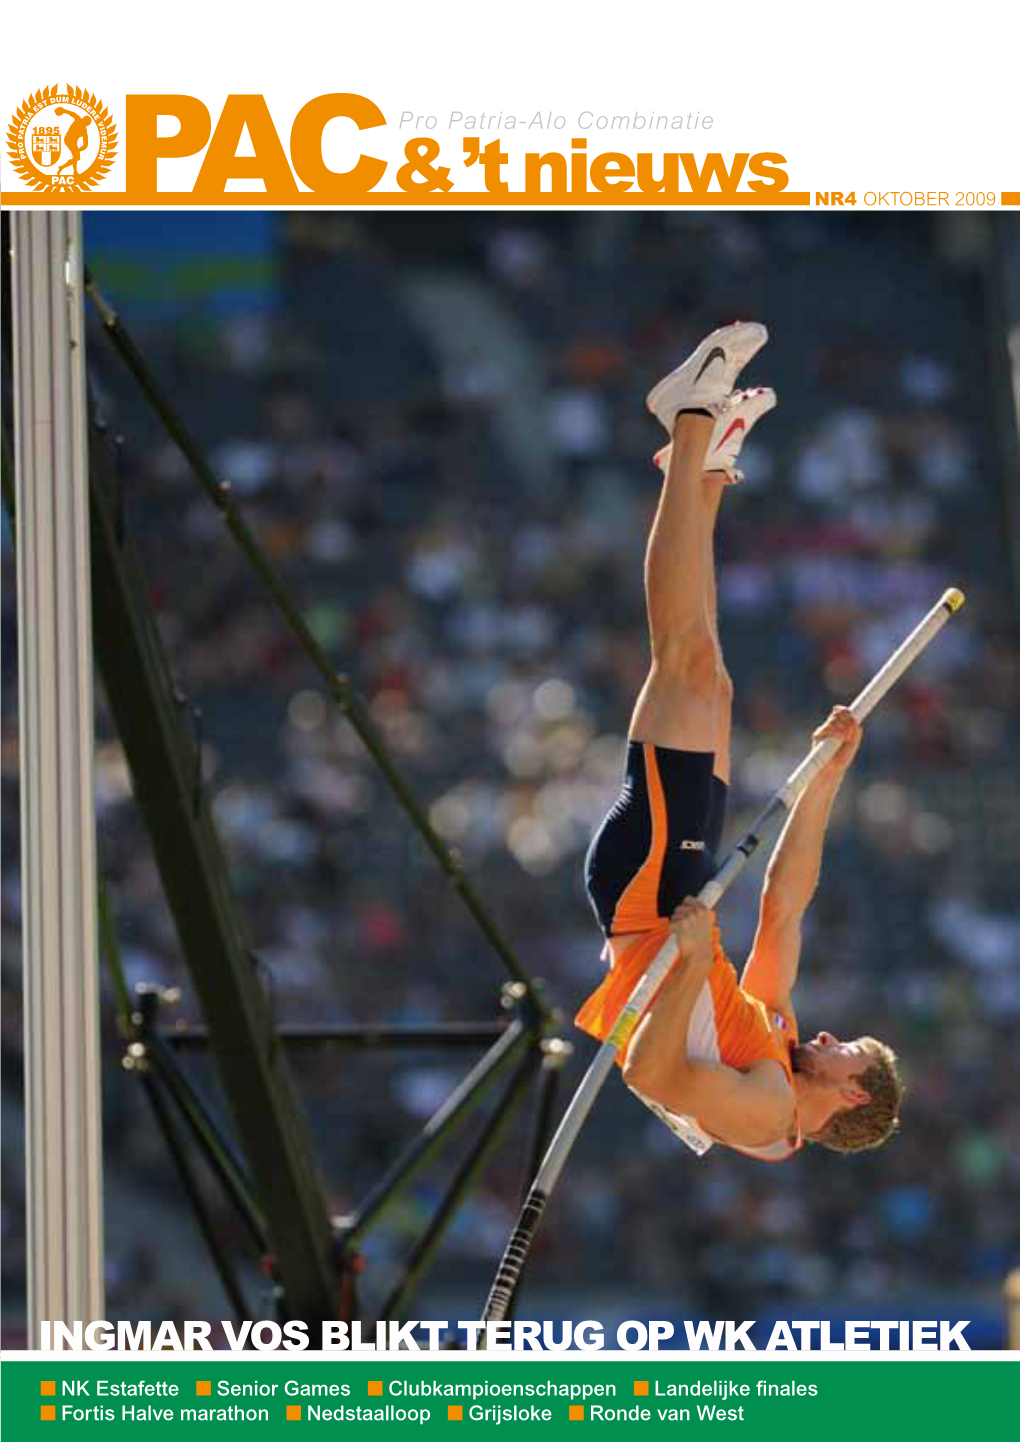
[61,140]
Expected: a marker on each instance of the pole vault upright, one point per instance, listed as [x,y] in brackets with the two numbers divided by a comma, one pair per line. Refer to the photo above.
[58,862]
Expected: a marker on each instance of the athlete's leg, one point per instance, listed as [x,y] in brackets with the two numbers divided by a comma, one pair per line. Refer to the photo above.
[679,704]
[713,483]
[655,842]
[744,410]
[747,408]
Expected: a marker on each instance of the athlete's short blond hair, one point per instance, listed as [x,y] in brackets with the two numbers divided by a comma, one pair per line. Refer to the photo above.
[857,1129]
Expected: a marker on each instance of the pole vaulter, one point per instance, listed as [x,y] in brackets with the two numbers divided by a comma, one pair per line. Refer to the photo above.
[717,1061]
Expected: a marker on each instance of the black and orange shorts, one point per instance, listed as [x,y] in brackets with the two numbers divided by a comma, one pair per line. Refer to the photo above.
[658,841]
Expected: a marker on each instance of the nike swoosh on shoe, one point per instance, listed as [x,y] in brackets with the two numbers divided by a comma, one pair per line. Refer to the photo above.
[716,353]
[738,425]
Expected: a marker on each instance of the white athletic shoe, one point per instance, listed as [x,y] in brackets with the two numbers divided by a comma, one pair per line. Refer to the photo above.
[737,417]
[709,375]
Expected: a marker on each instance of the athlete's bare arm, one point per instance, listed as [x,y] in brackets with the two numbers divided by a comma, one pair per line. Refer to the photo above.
[751,1108]
[792,876]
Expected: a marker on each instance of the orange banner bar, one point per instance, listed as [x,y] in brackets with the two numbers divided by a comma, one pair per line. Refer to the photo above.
[515,200]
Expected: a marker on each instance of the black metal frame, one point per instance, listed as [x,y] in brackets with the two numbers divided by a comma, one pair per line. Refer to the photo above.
[452,1035]
[196,1200]
[180,1111]
[338,686]
[310,1257]
[153,721]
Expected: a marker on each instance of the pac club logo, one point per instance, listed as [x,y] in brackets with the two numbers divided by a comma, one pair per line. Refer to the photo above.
[61,140]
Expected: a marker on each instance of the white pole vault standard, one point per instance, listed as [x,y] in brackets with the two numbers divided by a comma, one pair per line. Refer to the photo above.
[764,827]
[58,863]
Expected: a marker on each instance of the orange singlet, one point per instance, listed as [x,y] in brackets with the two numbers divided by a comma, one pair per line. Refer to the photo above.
[727,1025]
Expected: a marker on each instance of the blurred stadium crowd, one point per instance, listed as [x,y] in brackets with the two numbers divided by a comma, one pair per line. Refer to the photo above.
[438,431]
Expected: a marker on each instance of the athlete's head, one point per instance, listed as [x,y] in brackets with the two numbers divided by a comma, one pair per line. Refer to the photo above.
[850,1091]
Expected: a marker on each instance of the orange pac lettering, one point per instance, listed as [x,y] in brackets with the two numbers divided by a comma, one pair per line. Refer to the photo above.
[145,147]
[306,147]
[222,162]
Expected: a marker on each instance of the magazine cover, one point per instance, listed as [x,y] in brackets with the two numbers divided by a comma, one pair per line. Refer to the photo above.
[510,700]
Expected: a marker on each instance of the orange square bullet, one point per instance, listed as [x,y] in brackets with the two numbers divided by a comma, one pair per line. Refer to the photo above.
[203,1389]
[640,1389]
[455,1414]
[47,1414]
[294,1413]
[577,1414]
[375,1389]
[47,1389]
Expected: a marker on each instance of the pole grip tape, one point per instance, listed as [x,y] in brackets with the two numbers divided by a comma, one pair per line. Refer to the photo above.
[516,1254]
[624,1029]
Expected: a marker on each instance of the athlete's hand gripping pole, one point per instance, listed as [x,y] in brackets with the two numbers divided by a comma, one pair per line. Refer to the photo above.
[763,828]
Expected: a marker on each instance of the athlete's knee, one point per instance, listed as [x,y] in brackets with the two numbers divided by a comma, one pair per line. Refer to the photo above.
[690,659]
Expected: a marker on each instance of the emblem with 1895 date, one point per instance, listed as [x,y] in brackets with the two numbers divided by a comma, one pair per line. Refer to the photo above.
[62,139]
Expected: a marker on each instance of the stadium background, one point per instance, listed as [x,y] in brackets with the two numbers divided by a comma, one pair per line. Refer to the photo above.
[436,426]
